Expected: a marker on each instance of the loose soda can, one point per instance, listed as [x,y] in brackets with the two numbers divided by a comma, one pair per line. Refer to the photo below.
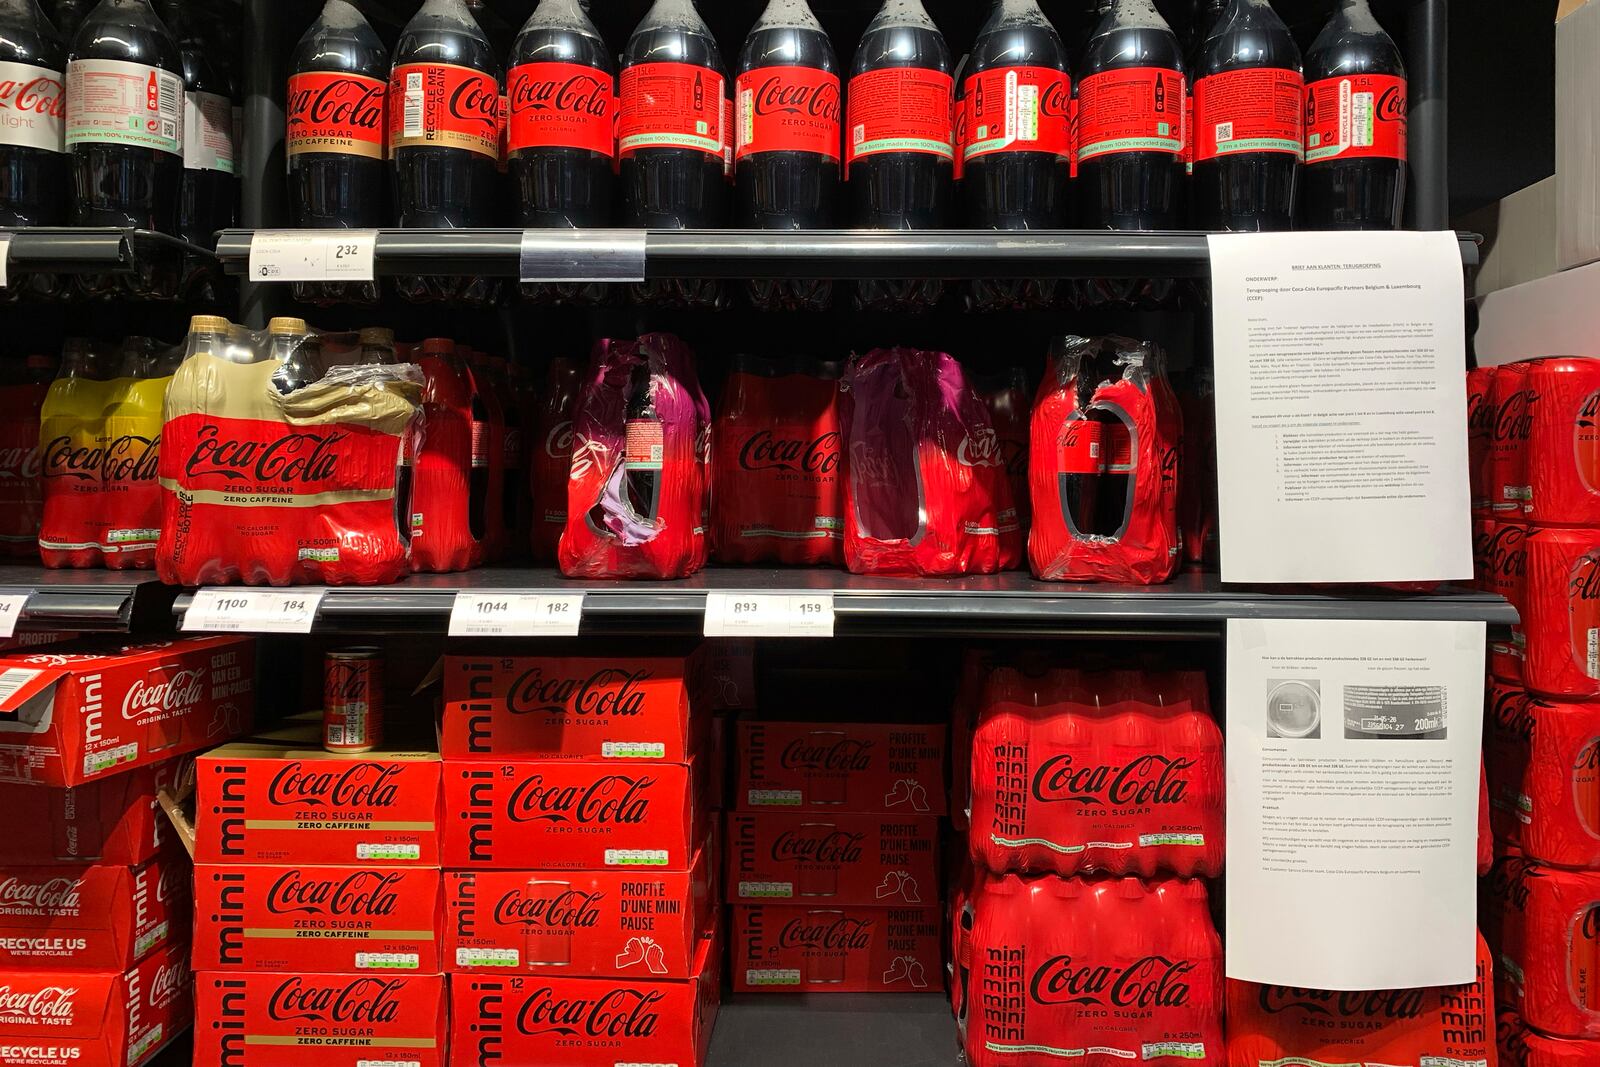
[352,688]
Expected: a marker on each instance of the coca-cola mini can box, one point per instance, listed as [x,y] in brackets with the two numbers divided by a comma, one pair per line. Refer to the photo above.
[256,917]
[73,713]
[836,948]
[115,820]
[91,918]
[859,767]
[838,858]
[330,1020]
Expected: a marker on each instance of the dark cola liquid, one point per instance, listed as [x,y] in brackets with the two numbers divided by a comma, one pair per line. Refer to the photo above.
[901,190]
[338,190]
[209,200]
[790,190]
[675,188]
[33,177]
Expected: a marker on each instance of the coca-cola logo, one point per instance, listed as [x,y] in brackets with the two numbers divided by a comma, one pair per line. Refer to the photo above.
[1512,713]
[609,691]
[566,909]
[129,458]
[617,1013]
[1585,581]
[820,101]
[363,1000]
[293,458]
[1480,413]
[354,103]
[764,451]
[477,100]
[1151,982]
[353,785]
[1392,104]
[558,442]
[364,893]
[38,96]
[1386,1004]
[980,449]
[1505,555]
[1148,779]
[1514,418]
[1169,469]
[1507,881]
[609,800]
[580,94]
[832,932]
[23,462]
[870,466]
[50,1002]
[817,845]
[346,680]
[1055,98]
[184,689]
[169,981]
[840,754]
[1508,1038]
[1586,413]
[52,893]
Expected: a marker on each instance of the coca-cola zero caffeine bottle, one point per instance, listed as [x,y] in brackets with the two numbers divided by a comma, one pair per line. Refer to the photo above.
[33,111]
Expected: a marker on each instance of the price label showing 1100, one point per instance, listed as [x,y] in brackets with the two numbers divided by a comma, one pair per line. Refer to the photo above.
[516,614]
[769,615]
[253,611]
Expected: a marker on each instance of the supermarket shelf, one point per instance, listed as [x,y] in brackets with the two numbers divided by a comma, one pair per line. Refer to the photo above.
[74,250]
[97,600]
[842,1029]
[840,254]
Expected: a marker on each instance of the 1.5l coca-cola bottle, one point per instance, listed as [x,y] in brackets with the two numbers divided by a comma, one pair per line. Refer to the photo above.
[1355,174]
[33,111]
[210,194]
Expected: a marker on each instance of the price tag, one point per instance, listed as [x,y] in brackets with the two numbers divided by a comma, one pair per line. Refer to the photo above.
[10,612]
[769,615]
[253,611]
[582,256]
[516,615]
[312,255]
[5,258]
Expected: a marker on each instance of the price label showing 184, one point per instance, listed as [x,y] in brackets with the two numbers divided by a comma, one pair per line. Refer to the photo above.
[516,615]
[312,255]
[769,615]
[253,611]
[10,611]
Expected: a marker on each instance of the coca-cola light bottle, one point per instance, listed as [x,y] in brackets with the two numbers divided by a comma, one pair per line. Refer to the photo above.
[33,111]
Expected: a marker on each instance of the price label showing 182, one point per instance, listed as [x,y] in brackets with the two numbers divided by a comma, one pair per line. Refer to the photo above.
[253,611]
[516,615]
[312,255]
[769,615]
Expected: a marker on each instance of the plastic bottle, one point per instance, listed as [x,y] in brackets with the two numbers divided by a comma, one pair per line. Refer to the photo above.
[210,194]
[294,348]
[33,106]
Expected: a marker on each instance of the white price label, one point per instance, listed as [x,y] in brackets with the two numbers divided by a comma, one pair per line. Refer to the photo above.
[10,612]
[312,255]
[253,611]
[769,615]
[516,615]
[5,258]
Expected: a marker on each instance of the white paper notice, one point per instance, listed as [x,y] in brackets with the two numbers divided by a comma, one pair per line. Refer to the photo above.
[1341,407]
[1353,755]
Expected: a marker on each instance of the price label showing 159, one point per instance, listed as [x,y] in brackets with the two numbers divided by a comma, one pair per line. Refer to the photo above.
[769,615]
[312,255]
[516,615]
[253,611]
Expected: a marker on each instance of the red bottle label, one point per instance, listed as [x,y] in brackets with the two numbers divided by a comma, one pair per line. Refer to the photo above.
[1137,109]
[643,444]
[671,105]
[788,109]
[1188,132]
[1359,117]
[1017,109]
[1081,448]
[903,109]
[958,134]
[1074,134]
[1249,111]
[560,105]
[340,114]
[437,105]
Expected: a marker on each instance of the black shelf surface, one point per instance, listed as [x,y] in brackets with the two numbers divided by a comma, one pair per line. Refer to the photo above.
[836,254]
[836,1029]
[78,250]
[97,600]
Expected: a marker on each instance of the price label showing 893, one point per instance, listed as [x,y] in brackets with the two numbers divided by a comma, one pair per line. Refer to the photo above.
[769,615]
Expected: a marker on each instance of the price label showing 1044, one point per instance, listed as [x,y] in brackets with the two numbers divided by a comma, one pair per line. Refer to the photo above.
[253,611]
[516,615]
[769,615]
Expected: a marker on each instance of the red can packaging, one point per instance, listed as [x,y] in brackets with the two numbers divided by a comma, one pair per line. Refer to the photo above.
[1480,434]
[845,766]
[975,668]
[350,1020]
[586,1022]
[441,481]
[1123,969]
[828,859]
[552,458]
[75,712]
[317,920]
[573,815]
[352,695]
[1563,447]
[626,924]
[1079,772]
[1544,771]
[1546,923]
[91,918]
[568,708]
[1500,563]
[1515,409]
[1485,834]
[836,948]
[113,820]
[778,493]
[1521,1047]
[275,802]
[1561,613]
[1435,1025]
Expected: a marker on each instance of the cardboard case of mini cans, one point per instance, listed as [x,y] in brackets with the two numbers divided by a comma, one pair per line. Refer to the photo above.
[837,948]
[95,1018]
[259,917]
[821,858]
[550,1020]
[625,924]
[594,815]
[91,918]
[115,820]
[330,1020]
[277,803]
[73,713]
[860,767]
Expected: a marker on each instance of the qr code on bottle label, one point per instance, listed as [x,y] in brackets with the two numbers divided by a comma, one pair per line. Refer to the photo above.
[1224,131]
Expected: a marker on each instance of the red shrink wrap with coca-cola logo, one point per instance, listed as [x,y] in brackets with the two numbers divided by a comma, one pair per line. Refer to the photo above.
[443,538]
[1561,613]
[819,858]
[778,495]
[116,819]
[1563,448]
[1104,465]
[1269,1024]
[897,768]
[1546,923]
[1480,434]
[332,1020]
[1011,409]
[925,488]
[1080,772]
[1544,776]
[639,487]
[1500,565]
[21,495]
[1522,1047]
[91,918]
[1514,406]
[827,947]
[551,462]
[1121,969]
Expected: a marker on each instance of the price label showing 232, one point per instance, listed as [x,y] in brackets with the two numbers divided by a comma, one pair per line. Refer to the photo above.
[312,255]
[253,611]
[769,615]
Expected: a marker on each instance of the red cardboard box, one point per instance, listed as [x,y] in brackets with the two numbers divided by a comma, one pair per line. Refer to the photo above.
[793,948]
[595,815]
[551,1021]
[631,924]
[836,859]
[282,803]
[115,820]
[546,707]
[251,917]
[77,712]
[351,1020]
[860,767]
[95,1018]
[91,918]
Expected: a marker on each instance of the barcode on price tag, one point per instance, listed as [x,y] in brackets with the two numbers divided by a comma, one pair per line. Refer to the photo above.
[312,255]
[10,612]
[253,611]
[769,615]
[516,615]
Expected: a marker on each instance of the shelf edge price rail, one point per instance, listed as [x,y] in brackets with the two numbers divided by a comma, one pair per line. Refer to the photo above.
[259,611]
[516,614]
[769,615]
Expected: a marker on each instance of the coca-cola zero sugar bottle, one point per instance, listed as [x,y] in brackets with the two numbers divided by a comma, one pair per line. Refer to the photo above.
[33,111]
